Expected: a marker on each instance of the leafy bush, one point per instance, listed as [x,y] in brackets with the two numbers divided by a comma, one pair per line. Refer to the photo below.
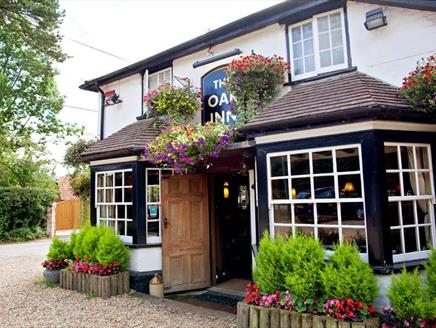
[111,249]
[75,150]
[24,234]
[78,242]
[407,296]
[23,208]
[90,241]
[271,266]
[305,256]
[81,183]
[347,276]
[431,275]
[59,250]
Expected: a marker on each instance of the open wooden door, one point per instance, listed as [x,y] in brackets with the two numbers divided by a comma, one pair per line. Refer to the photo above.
[185,236]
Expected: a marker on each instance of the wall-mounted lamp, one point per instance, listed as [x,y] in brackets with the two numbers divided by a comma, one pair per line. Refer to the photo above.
[349,187]
[374,19]
[111,98]
[226,192]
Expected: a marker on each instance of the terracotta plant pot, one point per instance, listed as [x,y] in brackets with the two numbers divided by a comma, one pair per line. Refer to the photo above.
[51,276]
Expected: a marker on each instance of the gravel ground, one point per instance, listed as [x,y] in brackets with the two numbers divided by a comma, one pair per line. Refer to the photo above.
[27,302]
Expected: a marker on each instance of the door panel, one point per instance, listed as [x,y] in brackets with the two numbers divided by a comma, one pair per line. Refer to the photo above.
[185,239]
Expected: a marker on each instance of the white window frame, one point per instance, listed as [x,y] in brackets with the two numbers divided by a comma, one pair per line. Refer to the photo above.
[314,200]
[154,239]
[420,254]
[318,68]
[104,188]
[150,76]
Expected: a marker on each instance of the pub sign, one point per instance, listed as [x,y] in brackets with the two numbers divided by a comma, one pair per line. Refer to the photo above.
[216,100]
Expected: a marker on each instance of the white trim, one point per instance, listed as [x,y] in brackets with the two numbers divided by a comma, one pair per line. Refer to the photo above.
[346,128]
[115,160]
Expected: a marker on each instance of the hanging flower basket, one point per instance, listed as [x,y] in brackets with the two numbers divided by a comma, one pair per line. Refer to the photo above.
[188,147]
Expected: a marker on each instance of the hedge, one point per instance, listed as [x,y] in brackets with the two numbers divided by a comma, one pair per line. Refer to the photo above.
[23,208]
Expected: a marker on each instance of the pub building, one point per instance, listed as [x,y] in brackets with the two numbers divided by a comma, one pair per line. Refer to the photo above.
[338,154]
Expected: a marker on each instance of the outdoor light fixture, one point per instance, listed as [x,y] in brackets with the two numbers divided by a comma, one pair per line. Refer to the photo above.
[375,19]
[111,98]
[349,187]
[226,190]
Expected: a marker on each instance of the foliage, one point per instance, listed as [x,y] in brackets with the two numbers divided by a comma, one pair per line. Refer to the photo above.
[391,320]
[112,250]
[306,258]
[188,146]
[178,103]
[29,49]
[271,266]
[78,242]
[430,270]
[52,265]
[24,234]
[348,309]
[104,270]
[81,183]
[419,87]
[407,296]
[75,150]
[23,211]
[90,242]
[347,276]
[277,300]
[59,250]
[254,81]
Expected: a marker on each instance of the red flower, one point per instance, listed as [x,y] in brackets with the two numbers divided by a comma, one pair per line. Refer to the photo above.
[370,309]
[359,304]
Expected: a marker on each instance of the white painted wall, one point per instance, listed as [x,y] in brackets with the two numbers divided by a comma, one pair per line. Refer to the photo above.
[390,52]
[145,259]
[118,116]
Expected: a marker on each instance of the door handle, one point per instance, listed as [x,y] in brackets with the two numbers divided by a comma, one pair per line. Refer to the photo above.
[165,223]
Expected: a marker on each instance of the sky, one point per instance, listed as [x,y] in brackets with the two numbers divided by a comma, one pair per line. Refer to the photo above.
[102,36]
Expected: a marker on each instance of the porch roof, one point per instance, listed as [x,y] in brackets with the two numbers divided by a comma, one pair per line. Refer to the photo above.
[346,96]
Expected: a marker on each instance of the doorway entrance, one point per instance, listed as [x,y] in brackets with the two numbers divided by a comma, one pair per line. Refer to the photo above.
[231,258]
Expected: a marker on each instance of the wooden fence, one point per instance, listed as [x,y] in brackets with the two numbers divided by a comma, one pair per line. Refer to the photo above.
[68,214]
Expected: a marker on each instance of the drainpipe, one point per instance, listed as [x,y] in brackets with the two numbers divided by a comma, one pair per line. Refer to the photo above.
[101,111]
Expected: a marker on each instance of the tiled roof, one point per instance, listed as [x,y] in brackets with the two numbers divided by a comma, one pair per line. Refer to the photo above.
[127,141]
[336,95]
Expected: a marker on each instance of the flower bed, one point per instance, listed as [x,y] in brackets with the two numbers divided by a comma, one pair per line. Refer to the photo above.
[256,316]
[100,286]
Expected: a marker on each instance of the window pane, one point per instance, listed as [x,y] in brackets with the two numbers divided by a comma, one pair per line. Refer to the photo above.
[109,180]
[424,183]
[309,64]
[153,229]
[111,224]
[109,195]
[282,213]
[327,213]
[305,231]
[308,47]
[322,162]
[297,49]
[103,211]
[347,159]
[100,196]
[352,214]
[286,232]
[298,67]
[408,213]
[393,184]
[338,56]
[396,242]
[407,160]
[324,41]
[128,180]
[280,189]
[307,30]
[304,213]
[279,166]
[391,158]
[130,228]
[118,195]
[422,158]
[409,183]
[324,187]
[323,24]
[423,212]
[129,212]
[300,164]
[337,38]
[328,237]
[425,237]
[325,58]
[121,214]
[152,212]
[410,240]
[100,180]
[153,193]
[394,215]
[335,21]
[301,188]
[111,211]
[356,237]
[118,179]
[127,195]
[152,177]
[296,34]
[121,227]
[103,223]
[349,186]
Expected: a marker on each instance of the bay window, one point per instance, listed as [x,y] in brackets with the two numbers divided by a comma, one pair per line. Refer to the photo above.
[409,180]
[318,192]
[318,45]
[113,201]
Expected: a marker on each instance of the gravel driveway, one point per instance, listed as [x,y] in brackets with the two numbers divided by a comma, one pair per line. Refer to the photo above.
[26,302]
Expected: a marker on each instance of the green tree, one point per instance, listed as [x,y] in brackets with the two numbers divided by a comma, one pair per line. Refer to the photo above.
[29,48]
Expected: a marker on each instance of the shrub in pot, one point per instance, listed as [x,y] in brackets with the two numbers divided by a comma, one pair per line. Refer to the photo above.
[57,259]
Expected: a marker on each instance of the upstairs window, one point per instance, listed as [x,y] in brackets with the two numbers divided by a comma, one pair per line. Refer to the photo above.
[318,45]
[156,79]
